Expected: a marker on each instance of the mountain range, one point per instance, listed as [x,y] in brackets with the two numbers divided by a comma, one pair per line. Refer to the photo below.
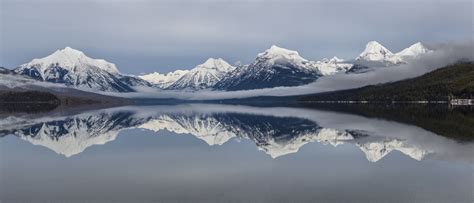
[274,67]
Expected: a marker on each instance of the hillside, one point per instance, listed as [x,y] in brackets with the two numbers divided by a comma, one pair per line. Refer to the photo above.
[451,81]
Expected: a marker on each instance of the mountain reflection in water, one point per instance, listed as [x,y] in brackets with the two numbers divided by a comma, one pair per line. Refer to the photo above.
[276,131]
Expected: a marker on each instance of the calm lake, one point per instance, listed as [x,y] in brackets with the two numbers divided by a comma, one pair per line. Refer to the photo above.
[236,153]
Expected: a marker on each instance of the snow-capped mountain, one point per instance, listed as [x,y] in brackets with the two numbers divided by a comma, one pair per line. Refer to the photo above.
[375,52]
[164,80]
[74,69]
[413,51]
[376,55]
[333,66]
[204,75]
[272,68]
[278,66]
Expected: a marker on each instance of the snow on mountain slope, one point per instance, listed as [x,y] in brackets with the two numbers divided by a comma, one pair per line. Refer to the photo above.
[204,75]
[413,51]
[164,80]
[274,67]
[278,66]
[335,59]
[275,53]
[374,51]
[332,66]
[375,55]
[72,60]
[74,69]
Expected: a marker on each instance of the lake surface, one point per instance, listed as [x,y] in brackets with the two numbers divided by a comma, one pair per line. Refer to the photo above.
[235,153]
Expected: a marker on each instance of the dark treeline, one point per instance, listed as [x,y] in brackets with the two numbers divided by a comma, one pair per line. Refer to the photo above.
[28,101]
[454,81]
[28,97]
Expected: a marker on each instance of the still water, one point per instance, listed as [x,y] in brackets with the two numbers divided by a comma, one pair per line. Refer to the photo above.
[230,153]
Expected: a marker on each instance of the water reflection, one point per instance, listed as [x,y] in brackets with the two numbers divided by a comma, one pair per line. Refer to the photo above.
[275,131]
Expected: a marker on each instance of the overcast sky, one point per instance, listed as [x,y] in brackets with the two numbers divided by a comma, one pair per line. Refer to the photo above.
[146,36]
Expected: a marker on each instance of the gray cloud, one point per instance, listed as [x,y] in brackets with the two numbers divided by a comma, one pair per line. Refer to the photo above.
[147,36]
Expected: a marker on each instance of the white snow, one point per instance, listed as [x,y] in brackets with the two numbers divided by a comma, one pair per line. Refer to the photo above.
[324,67]
[72,60]
[275,53]
[73,68]
[164,80]
[213,70]
[204,75]
[414,50]
[374,51]
[332,66]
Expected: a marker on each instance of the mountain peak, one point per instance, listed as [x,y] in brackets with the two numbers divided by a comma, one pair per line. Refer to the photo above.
[274,49]
[164,80]
[376,47]
[417,45]
[215,63]
[275,52]
[374,51]
[210,62]
[373,43]
[335,59]
[70,58]
[69,49]
[68,52]
[414,50]
[204,75]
